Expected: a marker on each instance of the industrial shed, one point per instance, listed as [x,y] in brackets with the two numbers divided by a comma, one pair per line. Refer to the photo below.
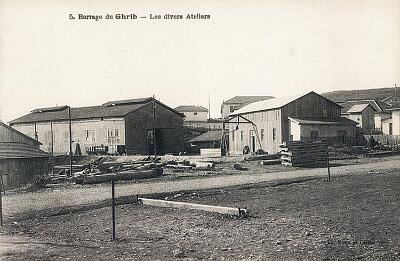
[20,157]
[115,127]
[209,139]
[267,124]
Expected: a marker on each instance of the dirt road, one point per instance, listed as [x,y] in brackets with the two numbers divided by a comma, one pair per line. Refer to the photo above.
[16,204]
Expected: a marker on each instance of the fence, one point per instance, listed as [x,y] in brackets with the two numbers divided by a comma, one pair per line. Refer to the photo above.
[384,139]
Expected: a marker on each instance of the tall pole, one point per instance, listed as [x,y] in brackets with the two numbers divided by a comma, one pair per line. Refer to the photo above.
[70,140]
[154,127]
[113,208]
[52,148]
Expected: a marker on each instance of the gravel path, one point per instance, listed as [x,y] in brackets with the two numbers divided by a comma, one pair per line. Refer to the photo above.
[69,197]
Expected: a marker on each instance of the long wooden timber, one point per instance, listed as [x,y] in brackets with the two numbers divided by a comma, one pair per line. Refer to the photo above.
[240,212]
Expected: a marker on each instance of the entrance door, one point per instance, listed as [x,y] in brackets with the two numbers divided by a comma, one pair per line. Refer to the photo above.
[252,141]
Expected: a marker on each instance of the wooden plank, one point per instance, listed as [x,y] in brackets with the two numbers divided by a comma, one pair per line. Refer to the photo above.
[184,205]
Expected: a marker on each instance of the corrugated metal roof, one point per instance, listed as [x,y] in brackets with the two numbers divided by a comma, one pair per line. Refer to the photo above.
[247,99]
[11,150]
[191,108]
[358,108]
[108,110]
[324,121]
[214,135]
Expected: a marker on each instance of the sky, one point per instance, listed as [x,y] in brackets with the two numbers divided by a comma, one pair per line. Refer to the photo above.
[274,47]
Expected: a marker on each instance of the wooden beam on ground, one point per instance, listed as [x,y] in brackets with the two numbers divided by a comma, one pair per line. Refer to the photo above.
[240,212]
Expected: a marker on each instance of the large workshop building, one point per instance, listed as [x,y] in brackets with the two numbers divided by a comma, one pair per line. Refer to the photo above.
[115,127]
[266,124]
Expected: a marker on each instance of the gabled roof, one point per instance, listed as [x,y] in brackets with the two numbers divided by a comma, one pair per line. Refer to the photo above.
[377,105]
[323,121]
[14,150]
[359,108]
[191,108]
[19,133]
[214,135]
[271,104]
[107,110]
[394,107]
[247,99]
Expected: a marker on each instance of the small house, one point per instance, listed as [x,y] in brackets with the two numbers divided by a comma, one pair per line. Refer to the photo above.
[193,113]
[238,102]
[363,114]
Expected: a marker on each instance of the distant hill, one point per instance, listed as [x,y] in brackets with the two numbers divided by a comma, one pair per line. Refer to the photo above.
[368,94]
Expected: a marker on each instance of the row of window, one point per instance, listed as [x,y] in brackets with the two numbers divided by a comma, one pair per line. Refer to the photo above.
[314,135]
[262,135]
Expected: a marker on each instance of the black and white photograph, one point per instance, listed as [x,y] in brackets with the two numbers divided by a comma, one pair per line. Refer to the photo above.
[200,130]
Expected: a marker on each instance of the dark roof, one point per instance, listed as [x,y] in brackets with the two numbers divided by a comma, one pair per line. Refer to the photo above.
[108,110]
[324,121]
[214,135]
[191,108]
[247,99]
[211,120]
[377,105]
[19,133]
[13,150]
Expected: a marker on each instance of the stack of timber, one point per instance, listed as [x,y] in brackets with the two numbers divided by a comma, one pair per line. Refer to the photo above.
[304,154]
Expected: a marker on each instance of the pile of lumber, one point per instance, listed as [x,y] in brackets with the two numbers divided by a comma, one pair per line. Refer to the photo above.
[185,165]
[101,171]
[123,175]
[304,154]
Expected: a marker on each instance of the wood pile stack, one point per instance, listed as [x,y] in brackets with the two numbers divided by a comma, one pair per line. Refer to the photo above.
[304,154]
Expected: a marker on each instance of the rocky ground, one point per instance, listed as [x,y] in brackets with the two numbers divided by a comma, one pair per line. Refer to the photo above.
[353,217]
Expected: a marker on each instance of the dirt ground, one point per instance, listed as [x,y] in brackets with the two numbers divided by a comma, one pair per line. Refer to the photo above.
[353,217]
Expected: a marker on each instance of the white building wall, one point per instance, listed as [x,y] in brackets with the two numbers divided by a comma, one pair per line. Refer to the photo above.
[269,129]
[295,131]
[196,116]
[396,122]
[99,134]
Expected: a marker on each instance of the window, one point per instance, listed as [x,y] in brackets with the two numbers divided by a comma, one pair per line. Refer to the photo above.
[233,136]
[232,108]
[262,134]
[342,136]
[134,125]
[324,113]
[274,134]
[90,135]
[116,132]
[110,133]
[241,135]
[314,135]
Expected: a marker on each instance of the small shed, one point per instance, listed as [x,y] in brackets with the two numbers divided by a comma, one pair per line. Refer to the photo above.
[208,140]
[20,157]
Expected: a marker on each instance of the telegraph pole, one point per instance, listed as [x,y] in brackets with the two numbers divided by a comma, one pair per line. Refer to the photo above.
[70,141]
[52,148]
[154,127]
